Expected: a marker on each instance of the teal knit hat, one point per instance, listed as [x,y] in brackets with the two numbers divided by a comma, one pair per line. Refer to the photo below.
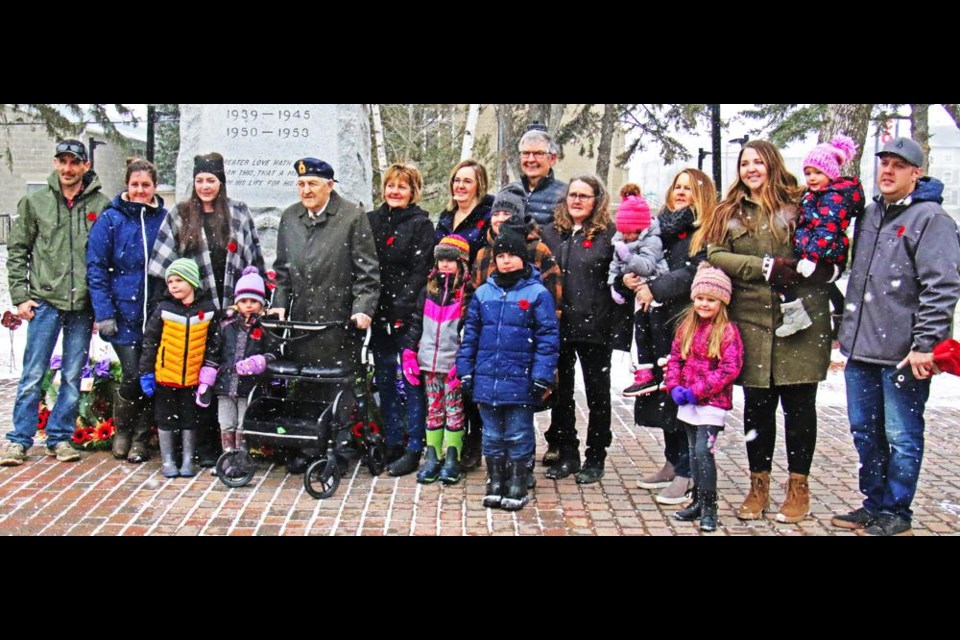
[186,269]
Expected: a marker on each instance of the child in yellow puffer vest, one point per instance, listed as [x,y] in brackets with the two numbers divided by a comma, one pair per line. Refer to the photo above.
[180,337]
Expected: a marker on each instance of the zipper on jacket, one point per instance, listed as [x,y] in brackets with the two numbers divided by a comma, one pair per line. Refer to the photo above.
[186,351]
[436,344]
[146,260]
[503,305]
[866,279]
[70,236]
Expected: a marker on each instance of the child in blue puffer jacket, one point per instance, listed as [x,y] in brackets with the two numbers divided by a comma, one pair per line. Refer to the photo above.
[508,360]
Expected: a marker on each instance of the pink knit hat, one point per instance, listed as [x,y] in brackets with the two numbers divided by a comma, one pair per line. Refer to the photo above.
[710,281]
[633,215]
[250,286]
[829,157]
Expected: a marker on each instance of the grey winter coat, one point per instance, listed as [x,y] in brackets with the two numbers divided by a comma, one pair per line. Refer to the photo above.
[904,278]
[802,358]
[646,255]
[327,271]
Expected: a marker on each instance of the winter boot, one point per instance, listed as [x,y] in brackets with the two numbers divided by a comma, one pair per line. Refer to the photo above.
[140,448]
[393,452]
[568,462]
[125,415]
[692,511]
[592,470]
[168,453]
[551,456]
[758,500]
[795,318]
[405,464]
[472,449]
[660,479]
[531,468]
[797,503]
[451,474]
[430,470]
[495,482]
[515,495]
[644,382]
[708,511]
[187,470]
[206,446]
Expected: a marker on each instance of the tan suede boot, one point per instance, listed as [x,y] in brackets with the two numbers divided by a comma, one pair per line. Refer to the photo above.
[758,500]
[797,503]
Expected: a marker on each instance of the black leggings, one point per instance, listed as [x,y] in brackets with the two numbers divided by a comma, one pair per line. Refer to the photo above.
[703,466]
[799,402]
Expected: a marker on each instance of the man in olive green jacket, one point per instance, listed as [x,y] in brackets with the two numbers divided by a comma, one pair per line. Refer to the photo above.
[47,266]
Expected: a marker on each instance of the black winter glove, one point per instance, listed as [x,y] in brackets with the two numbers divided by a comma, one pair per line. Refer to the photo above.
[781,272]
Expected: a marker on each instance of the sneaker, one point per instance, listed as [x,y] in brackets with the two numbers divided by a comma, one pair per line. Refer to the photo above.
[887,524]
[13,455]
[857,519]
[643,382]
[64,452]
[677,492]
[658,480]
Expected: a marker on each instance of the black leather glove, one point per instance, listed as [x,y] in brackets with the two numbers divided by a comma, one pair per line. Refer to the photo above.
[466,385]
[823,274]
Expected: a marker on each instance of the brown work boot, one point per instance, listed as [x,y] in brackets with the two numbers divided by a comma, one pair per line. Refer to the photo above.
[797,503]
[758,500]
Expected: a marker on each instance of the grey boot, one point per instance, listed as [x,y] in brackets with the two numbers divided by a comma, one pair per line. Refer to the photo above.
[125,417]
[795,318]
[168,453]
[187,469]
[227,440]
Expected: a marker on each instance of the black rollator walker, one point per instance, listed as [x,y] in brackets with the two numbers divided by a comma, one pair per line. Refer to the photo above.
[326,414]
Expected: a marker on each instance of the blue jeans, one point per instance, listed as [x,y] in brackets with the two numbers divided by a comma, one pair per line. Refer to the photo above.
[385,374]
[508,431]
[42,334]
[886,421]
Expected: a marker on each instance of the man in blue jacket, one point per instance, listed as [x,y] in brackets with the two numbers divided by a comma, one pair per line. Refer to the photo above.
[538,155]
[903,289]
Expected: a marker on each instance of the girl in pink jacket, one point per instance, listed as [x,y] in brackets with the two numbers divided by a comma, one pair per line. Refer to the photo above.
[705,360]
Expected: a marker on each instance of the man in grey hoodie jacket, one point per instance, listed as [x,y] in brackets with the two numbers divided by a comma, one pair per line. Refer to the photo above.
[903,289]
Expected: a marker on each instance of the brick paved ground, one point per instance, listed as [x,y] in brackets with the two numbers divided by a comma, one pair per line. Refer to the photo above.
[100,496]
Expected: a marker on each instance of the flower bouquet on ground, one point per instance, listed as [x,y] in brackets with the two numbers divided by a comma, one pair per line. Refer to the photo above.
[95,426]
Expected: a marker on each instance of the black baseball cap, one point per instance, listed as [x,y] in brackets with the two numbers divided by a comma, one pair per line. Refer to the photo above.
[74,147]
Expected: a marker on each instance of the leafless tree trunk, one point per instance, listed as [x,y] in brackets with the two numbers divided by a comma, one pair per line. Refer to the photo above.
[469,132]
[953,110]
[852,120]
[606,141]
[378,138]
[556,117]
[507,143]
[920,130]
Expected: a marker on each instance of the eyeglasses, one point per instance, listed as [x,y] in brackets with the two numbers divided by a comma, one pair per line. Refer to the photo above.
[539,155]
[580,196]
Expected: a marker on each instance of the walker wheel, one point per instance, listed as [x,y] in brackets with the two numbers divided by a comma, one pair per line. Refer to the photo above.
[235,469]
[375,459]
[322,477]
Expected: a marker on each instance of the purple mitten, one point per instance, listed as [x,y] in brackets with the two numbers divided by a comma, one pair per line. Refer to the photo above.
[688,396]
[208,377]
[411,368]
[679,395]
[252,366]
[619,299]
[623,252]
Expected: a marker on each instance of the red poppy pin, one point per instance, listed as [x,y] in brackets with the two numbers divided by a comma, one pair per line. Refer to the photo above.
[900,230]
[256,334]
[92,216]
[232,247]
[200,314]
[390,240]
[587,243]
[524,304]
[271,285]
[272,274]
[480,225]
[682,235]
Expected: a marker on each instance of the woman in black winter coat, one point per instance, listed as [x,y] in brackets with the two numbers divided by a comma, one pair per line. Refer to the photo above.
[403,234]
[580,239]
[690,200]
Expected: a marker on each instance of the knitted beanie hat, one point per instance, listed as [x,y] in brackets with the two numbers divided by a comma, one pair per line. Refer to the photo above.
[452,247]
[210,163]
[829,157]
[509,240]
[511,200]
[186,269]
[710,281]
[633,216]
[250,286]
